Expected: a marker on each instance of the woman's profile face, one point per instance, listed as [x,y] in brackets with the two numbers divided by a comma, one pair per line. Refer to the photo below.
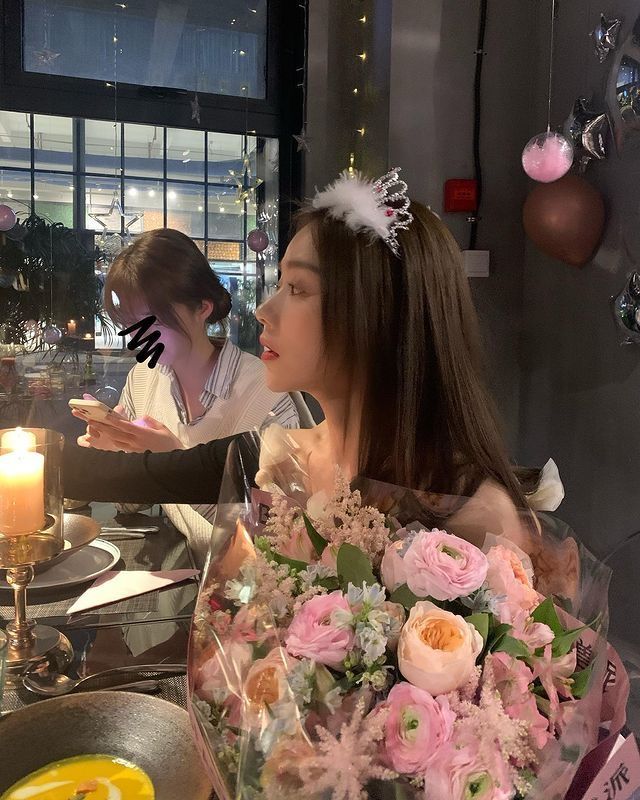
[292,338]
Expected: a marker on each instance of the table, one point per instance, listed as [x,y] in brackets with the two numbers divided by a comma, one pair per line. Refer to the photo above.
[148,629]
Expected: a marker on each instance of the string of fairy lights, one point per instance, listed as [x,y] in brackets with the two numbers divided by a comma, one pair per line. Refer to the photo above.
[358,91]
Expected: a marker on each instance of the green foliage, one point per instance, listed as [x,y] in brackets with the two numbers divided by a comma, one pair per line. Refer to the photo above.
[59,272]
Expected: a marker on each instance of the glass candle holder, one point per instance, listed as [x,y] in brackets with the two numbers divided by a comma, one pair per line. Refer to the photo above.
[31,532]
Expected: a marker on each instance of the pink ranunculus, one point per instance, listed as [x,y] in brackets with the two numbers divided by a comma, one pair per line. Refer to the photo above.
[314,634]
[462,774]
[513,679]
[443,566]
[509,583]
[416,727]
[392,568]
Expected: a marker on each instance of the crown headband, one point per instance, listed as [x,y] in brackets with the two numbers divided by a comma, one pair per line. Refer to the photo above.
[380,207]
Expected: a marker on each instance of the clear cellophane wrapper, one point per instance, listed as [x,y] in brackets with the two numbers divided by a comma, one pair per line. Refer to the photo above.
[272,723]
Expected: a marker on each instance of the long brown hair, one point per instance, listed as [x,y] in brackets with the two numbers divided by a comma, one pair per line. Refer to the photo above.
[406,330]
[160,268]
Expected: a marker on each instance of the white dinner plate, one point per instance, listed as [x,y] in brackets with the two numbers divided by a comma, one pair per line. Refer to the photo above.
[83,565]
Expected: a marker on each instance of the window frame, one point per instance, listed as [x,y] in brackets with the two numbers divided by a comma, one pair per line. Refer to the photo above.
[273,116]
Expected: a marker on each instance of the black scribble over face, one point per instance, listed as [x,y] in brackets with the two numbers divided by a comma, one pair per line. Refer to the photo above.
[151,348]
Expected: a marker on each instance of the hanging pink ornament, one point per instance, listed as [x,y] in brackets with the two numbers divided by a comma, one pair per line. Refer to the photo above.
[7,218]
[547,157]
[258,240]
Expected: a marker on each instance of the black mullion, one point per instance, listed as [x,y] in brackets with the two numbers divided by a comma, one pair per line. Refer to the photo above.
[206,194]
[122,200]
[164,178]
[79,205]
[32,162]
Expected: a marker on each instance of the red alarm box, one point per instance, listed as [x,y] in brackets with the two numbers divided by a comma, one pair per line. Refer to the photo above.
[460,195]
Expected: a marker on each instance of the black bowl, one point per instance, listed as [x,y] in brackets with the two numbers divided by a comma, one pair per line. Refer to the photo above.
[153,734]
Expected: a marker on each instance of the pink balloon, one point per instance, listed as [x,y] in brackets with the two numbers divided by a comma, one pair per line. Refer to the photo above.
[547,157]
[7,218]
[257,240]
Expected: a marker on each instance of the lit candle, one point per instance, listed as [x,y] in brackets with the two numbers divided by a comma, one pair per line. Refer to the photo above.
[21,484]
[88,336]
[71,327]
[17,440]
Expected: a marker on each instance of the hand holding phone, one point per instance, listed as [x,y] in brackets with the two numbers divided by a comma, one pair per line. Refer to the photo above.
[90,410]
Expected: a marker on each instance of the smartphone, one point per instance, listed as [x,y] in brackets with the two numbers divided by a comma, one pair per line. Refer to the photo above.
[91,409]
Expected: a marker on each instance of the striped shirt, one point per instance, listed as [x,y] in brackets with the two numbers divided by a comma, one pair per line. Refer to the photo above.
[235,398]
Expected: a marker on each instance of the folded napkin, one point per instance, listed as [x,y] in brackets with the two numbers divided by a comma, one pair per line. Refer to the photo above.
[118,585]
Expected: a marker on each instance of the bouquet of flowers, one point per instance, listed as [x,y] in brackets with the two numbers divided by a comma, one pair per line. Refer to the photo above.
[342,649]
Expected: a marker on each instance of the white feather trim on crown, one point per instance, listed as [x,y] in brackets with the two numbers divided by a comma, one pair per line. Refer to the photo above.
[352,200]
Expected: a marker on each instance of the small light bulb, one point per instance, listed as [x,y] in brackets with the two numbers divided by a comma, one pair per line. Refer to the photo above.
[133,191]
[151,193]
[355,91]
[172,195]
[361,131]
[36,197]
[362,56]
[9,194]
[200,208]
[363,19]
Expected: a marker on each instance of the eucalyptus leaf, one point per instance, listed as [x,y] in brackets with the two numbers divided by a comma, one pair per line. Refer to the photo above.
[354,567]
[404,596]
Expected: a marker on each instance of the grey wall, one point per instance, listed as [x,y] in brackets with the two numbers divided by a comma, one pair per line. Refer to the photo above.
[580,396]
[565,387]
[430,134]
[419,116]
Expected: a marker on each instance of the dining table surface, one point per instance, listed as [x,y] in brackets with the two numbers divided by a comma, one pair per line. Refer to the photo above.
[148,629]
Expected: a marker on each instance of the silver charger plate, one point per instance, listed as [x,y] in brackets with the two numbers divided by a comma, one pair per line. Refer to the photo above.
[153,734]
[83,565]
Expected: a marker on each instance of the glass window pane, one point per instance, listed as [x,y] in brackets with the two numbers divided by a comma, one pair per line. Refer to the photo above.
[102,147]
[143,146]
[15,190]
[226,216]
[185,208]
[205,47]
[224,155]
[144,197]
[53,142]
[53,197]
[243,326]
[15,139]
[99,195]
[185,154]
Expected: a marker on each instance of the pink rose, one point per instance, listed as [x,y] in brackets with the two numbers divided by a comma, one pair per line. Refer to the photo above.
[415,729]
[462,774]
[509,583]
[222,675]
[314,634]
[513,678]
[392,568]
[443,566]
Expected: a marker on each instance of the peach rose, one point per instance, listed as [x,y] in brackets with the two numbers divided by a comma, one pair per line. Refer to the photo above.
[437,650]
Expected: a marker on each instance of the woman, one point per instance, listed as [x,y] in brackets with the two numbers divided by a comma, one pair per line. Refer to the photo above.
[201,389]
[373,317]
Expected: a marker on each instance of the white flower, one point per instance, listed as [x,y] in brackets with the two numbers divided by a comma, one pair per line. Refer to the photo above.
[372,642]
[242,590]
